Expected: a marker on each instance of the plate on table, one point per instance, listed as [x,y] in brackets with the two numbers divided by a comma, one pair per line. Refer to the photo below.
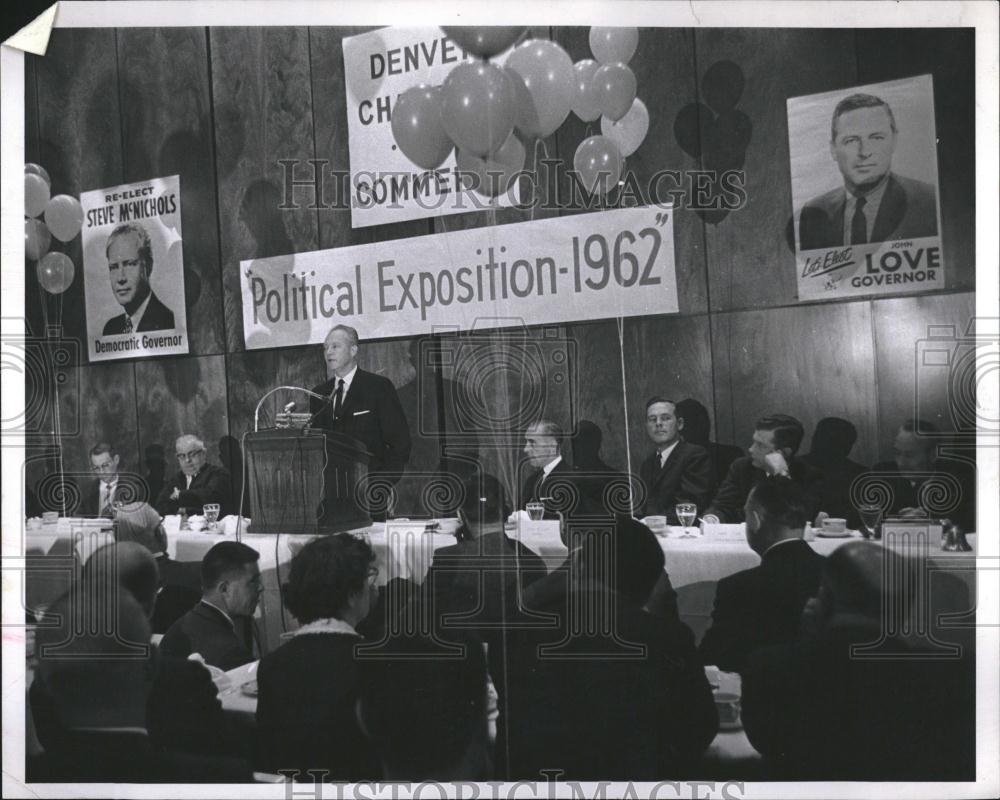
[825,534]
[249,689]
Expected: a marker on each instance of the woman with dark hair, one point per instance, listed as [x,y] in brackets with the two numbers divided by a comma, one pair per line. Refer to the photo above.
[308,686]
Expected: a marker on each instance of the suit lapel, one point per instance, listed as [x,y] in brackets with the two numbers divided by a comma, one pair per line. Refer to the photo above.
[890,211]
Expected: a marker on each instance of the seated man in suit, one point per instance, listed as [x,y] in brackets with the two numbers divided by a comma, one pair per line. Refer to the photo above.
[365,406]
[217,627]
[762,605]
[916,479]
[853,699]
[776,439]
[197,483]
[678,472]
[552,480]
[97,497]
[605,690]
[874,204]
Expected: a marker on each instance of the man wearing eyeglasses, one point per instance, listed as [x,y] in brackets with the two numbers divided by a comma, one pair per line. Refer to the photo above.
[98,498]
[197,483]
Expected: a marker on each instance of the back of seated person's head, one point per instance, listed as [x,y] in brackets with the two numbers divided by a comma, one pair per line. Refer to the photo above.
[625,556]
[328,576]
[484,502]
[864,579]
[424,708]
[95,662]
[140,523]
[775,510]
[224,560]
[125,564]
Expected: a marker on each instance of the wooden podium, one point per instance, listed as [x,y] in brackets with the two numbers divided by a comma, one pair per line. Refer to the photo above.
[304,481]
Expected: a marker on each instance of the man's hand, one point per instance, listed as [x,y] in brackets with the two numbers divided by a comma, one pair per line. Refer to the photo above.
[775,464]
[709,519]
[818,522]
[176,493]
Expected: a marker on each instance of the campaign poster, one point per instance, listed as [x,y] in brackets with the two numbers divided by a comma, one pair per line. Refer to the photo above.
[133,265]
[385,185]
[867,209]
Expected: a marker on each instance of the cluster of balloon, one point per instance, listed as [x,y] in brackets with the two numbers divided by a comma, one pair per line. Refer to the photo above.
[486,111]
[63,217]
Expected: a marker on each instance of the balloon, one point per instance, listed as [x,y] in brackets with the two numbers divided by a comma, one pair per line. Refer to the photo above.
[496,172]
[610,45]
[37,238]
[55,272]
[477,107]
[630,130]
[598,163]
[546,72]
[584,103]
[484,42]
[37,169]
[64,216]
[614,86]
[36,194]
[416,126]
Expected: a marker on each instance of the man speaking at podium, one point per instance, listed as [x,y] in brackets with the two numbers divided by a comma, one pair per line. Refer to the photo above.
[363,405]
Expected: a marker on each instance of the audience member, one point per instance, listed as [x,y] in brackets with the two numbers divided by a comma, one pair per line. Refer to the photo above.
[831,447]
[697,430]
[308,686]
[617,693]
[96,675]
[217,627]
[197,483]
[678,472]
[912,473]
[832,706]
[425,716]
[776,439]
[762,605]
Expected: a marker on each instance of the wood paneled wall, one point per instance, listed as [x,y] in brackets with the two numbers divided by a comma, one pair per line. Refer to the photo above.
[222,107]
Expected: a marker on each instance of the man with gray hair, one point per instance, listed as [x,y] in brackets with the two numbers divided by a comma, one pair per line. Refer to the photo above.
[197,483]
[130,263]
[551,481]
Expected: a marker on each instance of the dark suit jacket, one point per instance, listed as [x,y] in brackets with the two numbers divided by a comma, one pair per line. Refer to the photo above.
[561,491]
[817,713]
[908,211]
[205,630]
[305,709]
[602,709]
[743,476]
[761,606]
[835,487]
[211,485]
[372,414]
[906,492]
[685,478]
[90,496]
[156,317]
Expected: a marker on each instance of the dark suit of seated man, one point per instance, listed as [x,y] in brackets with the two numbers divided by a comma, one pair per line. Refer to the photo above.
[776,439]
[761,606]
[822,708]
[874,204]
[619,694]
[551,480]
[217,626]
[678,472]
[197,483]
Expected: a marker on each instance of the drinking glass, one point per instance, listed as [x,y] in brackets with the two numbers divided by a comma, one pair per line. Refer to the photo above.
[211,515]
[871,516]
[536,511]
[183,513]
[686,513]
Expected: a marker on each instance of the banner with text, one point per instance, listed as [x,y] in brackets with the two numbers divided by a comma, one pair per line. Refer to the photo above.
[590,266]
[385,185]
[133,270]
[865,190]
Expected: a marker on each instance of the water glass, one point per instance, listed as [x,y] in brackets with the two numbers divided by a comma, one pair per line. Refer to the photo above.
[211,515]
[686,513]
[536,511]
[871,516]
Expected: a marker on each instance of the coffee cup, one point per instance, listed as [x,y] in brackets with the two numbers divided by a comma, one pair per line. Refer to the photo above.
[728,707]
[50,517]
[834,525]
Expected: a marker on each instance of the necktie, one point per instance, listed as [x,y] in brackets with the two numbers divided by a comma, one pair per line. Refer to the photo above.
[859,225]
[105,500]
[338,398]
[128,324]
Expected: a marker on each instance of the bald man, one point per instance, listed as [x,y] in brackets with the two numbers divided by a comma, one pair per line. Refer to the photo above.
[197,482]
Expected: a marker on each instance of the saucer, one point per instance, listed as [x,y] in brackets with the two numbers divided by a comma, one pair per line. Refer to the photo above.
[831,534]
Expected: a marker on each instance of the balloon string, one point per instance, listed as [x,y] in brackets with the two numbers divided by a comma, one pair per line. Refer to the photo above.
[628,446]
[56,430]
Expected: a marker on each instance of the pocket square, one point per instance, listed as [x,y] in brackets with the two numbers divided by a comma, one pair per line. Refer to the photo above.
[359,413]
